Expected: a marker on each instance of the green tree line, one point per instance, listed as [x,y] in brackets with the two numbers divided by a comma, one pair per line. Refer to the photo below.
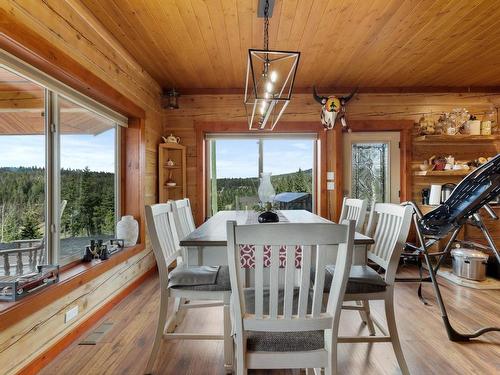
[229,188]
[89,210]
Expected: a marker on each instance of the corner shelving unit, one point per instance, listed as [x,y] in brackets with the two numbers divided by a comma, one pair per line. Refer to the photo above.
[175,173]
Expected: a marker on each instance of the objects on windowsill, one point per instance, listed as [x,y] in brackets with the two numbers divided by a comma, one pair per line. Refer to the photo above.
[13,288]
[171,139]
[128,229]
[100,250]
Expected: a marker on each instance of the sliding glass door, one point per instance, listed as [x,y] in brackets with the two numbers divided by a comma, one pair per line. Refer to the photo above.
[235,163]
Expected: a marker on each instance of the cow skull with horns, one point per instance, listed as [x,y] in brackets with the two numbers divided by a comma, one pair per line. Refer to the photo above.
[333,107]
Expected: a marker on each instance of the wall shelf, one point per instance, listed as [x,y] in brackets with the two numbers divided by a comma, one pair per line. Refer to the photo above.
[457,138]
[460,172]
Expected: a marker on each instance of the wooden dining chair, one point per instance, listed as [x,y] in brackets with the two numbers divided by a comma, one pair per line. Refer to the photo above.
[163,234]
[280,321]
[389,225]
[354,209]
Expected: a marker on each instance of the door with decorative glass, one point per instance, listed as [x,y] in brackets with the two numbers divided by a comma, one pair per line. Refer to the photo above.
[371,166]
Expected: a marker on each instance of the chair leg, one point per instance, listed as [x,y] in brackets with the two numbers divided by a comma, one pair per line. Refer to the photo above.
[179,315]
[228,340]
[393,333]
[162,319]
[366,316]
[241,368]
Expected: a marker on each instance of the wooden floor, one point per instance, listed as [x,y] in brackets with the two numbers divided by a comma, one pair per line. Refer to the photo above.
[125,348]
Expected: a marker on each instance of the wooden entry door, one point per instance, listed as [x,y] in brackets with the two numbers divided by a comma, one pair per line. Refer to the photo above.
[372,166]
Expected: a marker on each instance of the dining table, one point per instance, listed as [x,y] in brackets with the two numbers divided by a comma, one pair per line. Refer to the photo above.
[207,244]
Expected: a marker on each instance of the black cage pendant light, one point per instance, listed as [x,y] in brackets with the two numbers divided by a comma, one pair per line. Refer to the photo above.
[269,80]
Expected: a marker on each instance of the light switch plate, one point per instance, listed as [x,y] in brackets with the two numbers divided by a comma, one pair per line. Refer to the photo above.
[330,175]
[71,314]
[330,185]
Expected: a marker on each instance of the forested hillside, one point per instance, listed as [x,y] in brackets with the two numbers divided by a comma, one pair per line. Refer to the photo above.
[89,210]
[229,188]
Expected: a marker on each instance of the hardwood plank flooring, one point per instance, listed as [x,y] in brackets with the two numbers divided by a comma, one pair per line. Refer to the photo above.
[125,348]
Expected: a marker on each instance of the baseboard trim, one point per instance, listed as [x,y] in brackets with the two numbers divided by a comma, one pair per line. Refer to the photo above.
[48,355]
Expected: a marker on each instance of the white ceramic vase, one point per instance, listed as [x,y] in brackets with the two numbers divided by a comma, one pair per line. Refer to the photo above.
[127,229]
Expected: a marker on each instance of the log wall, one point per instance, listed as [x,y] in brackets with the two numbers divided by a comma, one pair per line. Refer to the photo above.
[69,28]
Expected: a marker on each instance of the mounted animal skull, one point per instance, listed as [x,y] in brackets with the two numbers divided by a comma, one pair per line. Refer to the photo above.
[333,107]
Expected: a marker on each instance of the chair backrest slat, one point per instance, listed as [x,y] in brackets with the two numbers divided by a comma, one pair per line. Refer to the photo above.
[319,282]
[286,252]
[390,233]
[163,235]
[274,282]
[184,217]
[305,279]
[289,281]
[259,281]
[354,209]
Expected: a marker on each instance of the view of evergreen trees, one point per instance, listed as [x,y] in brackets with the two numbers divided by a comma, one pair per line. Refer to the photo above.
[89,210]
[229,188]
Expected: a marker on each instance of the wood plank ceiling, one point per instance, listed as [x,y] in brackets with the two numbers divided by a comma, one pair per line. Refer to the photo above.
[194,44]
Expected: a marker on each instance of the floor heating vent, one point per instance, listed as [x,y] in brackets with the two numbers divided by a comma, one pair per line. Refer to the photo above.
[97,334]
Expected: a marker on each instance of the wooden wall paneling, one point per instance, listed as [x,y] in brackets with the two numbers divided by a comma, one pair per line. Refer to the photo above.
[64,40]
[133,166]
[21,344]
[389,110]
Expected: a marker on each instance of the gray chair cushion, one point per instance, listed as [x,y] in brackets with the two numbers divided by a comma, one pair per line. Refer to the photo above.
[280,341]
[222,282]
[362,279]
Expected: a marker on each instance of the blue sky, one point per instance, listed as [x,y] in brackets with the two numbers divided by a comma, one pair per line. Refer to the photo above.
[240,158]
[77,151]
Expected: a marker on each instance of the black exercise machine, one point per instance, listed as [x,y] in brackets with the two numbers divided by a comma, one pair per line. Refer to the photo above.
[474,192]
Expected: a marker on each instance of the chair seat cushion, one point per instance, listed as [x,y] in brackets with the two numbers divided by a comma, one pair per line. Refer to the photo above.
[280,341]
[221,283]
[362,279]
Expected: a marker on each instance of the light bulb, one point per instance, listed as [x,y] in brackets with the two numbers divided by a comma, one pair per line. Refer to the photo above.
[263,107]
[273,76]
[269,87]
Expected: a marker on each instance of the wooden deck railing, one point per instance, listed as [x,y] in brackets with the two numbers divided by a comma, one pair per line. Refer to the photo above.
[27,253]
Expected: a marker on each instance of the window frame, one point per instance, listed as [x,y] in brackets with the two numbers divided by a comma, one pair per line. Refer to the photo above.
[53,89]
[260,138]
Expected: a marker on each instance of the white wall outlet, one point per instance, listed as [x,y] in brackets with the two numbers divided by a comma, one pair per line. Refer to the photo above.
[330,175]
[71,314]
[330,185]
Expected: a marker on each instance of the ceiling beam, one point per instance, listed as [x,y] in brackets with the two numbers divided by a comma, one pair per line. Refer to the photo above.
[360,90]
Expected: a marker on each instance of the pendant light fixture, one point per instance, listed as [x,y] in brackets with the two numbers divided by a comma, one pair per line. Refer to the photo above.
[269,80]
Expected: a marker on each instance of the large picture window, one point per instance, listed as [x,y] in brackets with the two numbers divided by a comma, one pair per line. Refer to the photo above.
[237,161]
[58,170]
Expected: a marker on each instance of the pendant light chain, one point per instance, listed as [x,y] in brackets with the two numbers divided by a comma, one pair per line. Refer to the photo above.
[266,26]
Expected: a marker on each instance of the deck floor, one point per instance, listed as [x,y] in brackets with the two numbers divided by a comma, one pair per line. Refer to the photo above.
[125,348]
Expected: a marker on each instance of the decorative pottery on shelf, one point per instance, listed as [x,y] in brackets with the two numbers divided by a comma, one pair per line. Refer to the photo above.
[128,230]
[170,163]
[171,139]
[266,195]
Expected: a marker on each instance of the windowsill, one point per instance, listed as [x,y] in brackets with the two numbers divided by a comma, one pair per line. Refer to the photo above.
[70,278]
